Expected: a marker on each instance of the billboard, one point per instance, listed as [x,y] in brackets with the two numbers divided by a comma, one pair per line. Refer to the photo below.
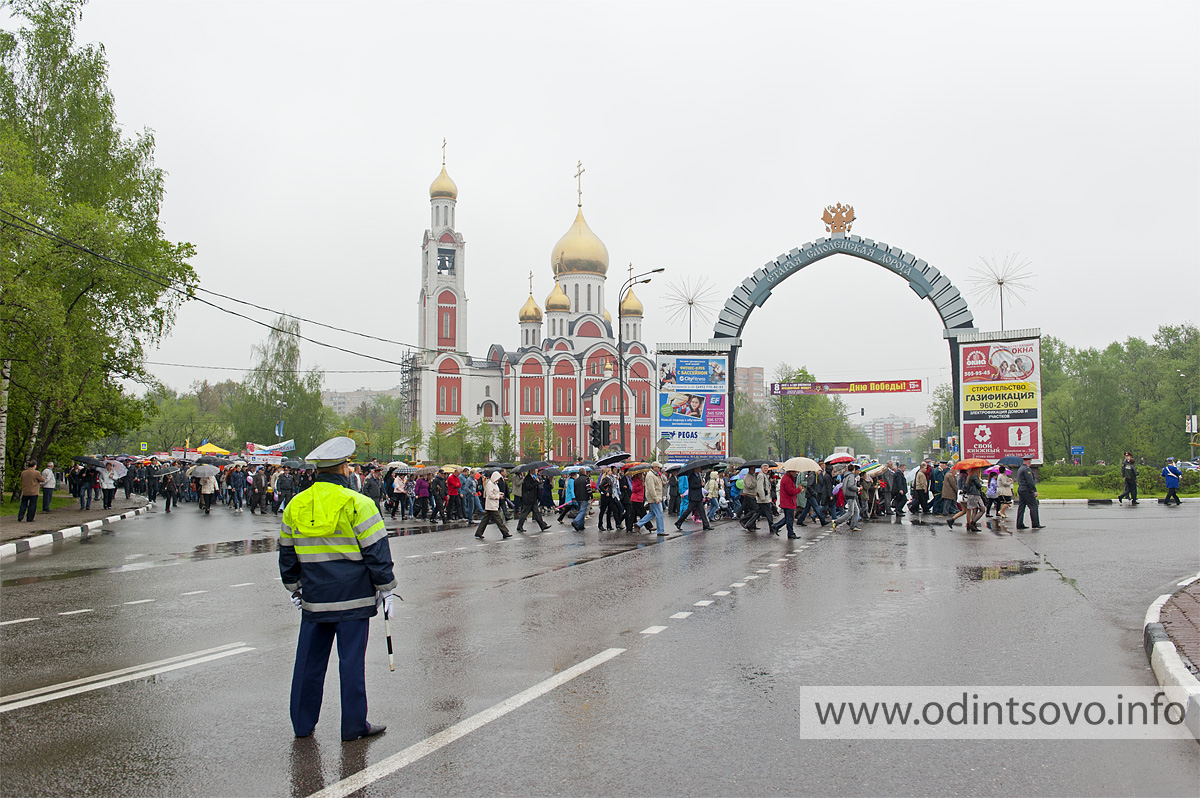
[693,396]
[1000,381]
[866,386]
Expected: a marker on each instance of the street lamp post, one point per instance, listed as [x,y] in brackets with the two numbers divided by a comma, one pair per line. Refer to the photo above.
[629,284]
[1188,426]
[279,430]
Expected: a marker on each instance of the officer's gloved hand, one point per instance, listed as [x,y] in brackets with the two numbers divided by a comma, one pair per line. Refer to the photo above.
[385,599]
[296,599]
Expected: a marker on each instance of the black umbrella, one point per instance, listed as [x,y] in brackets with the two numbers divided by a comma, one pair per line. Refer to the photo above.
[552,471]
[613,459]
[207,459]
[292,464]
[534,466]
[695,465]
[758,463]
[166,472]
[500,465]
[92,461]
[1010,460]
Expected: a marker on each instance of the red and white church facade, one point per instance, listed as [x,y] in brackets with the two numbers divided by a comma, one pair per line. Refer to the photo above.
[563,371]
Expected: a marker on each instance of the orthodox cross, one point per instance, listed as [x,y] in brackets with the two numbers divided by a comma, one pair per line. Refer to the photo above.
[579,177]
[531,283]
[443,152]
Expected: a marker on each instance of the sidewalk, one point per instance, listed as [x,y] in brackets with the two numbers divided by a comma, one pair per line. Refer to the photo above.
[1171,637]
[68,516]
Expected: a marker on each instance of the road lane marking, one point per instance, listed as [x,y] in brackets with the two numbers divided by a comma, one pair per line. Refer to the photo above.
[738,584]
[721,593]
[75,612]
[242,584]
[409,557]
[63,686]
[653,630]
[773,565]
[679,616]
[193,592]
[461,548]
[704,603]
[762,571]
[443,551]
[140,601]
[443,738]
[19,620]
[793,554]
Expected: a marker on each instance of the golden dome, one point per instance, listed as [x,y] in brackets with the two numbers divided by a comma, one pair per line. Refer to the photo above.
[530,311]
[443,187]
[579,251]
[558,299]
[631,305]
[607,316]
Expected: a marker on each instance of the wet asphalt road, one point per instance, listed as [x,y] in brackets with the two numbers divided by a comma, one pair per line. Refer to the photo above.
[706,706]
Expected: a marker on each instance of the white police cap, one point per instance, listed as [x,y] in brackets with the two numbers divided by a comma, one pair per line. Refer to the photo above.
[334,451]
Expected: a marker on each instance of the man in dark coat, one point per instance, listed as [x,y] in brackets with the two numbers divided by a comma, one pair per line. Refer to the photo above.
[530,493]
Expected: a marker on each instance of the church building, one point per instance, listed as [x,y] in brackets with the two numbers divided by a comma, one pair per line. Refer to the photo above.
[563,370]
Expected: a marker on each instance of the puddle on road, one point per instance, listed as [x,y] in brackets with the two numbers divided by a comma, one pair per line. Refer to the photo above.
[1000,570]
[205,551]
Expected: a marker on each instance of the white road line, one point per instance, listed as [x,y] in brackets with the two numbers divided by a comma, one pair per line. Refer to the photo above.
[438,552]
[409,557]
[773,565]
[749,577]
[793,554]
[56,688]
[193,592]
[738,584]
[19,620]
[679,616]
[140,601]
[782,559]
[242,584]
[721,593]
[75,612]
[443,738]
[762,571]
[461,548]
[653,630]
[704,603]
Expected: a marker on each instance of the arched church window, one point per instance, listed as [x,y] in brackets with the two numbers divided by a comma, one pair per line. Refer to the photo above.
[589,297]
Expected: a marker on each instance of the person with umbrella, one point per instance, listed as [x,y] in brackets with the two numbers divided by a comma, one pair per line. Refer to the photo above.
[972,490]
[653,486]
[789,489]
[583,496]
[335,560]
[152,481]
[850,495]
[169,487]
[529,500]
[695,493]
[1004,488]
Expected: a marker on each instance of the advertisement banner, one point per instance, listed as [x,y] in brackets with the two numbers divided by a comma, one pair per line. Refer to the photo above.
[262,458]
[866,386]
[692,401]
[687,444]
[692,373]
[1000,384]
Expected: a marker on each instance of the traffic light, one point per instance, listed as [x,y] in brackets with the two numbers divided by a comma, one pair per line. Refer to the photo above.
[595,434]
[605,436]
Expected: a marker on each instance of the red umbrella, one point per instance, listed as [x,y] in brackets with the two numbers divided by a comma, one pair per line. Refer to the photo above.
[840,458]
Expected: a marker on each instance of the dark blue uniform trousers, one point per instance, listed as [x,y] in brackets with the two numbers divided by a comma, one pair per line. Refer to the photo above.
[308,679]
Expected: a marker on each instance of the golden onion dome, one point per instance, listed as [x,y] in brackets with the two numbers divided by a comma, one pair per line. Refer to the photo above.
[530,311]
[631,305]
[443,187]
[558,299]
[579,251]
[607,316]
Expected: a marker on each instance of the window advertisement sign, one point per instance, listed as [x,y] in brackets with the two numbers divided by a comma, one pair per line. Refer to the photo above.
[692,401]
[1000,383]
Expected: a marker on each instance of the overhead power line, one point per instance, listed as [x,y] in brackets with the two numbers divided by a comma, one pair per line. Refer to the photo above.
[26,226]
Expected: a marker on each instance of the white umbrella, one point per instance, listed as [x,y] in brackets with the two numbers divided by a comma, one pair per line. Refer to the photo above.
[801,464]
[840,458]
[119,469]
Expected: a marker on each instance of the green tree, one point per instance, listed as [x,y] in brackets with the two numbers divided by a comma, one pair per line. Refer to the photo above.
[459,438]
[483,440]
[749,439]
[437,443]
[278,376]
[73,328]
[506,444]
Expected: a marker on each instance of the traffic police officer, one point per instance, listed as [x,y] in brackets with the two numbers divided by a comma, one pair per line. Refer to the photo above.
[334,557]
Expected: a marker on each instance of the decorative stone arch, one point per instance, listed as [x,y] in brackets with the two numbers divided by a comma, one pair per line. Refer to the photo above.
[924,280]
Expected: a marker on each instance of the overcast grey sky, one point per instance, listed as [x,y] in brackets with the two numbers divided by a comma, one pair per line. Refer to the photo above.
[300,140]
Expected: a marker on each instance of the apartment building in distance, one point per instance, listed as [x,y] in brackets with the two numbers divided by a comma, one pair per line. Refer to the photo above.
[750,381]
[343,402]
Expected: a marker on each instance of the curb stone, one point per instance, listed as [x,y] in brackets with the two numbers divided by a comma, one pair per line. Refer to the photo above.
[18,546]
[1169,669]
